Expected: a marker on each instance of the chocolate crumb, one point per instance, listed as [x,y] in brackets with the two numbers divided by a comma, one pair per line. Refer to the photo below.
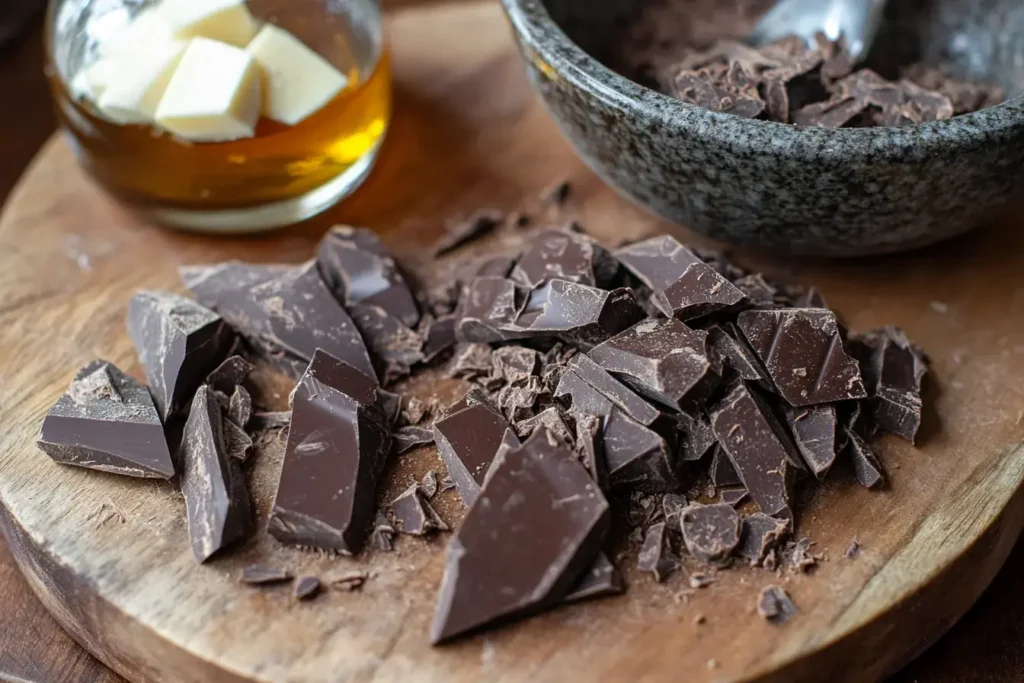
[307,588]
[261,575]
[775,606]
[852,550]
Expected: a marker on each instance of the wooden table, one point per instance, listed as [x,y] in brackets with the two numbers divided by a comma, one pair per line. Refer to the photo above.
[988,645]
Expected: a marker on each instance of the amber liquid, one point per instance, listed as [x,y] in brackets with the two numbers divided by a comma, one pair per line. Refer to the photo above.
[280,163]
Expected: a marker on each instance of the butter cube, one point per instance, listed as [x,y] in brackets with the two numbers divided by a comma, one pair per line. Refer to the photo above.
[214,94]
[228,21]
[296,80]
[133,96]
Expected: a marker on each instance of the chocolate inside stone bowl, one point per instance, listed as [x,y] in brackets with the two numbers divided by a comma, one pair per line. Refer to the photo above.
[887,183]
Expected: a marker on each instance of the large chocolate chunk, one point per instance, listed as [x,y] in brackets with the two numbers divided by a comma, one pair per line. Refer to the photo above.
[728,342]
[602,579]
[216,497]
[467,441]
[487,307]
[866,467]
[711,532]
[656,555]
[553,519]
[229,375]
[179,342]
[581,315]
[281,309]
[814,432]
[802,350]
[337,446]
[637,456]
[107,421]
[359,270]
[760,450]
[896,371]
[564,255]
[662,359]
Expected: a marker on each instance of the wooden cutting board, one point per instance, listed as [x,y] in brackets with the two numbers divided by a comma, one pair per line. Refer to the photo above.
[110,557]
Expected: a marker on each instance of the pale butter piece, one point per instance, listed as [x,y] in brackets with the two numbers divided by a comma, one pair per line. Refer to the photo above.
[296,80]
[136,92]
[228,21]
[214,94]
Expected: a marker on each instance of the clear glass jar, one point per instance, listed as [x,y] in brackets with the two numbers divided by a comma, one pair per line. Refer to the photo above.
[280,176]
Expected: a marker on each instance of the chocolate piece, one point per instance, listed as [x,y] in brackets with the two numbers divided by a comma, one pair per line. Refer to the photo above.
[728,342]
[722,472]
[734,497]
[476,226]
[237,443]
[281,309]
[711,532]
[866,467]
[759,291]
[802,350]
[438,338]
[590,448]
[672,506]
[429,484]
[760,450]
[394,347]
[307,588]
[703,89]
[515,363]
[812,298]
[240,407]
[486,308]
[658,262]
[615,391]
[179,342]
[517,400]
[337,446]
[558,194]
[775,606]
[760,535]
[216,498]
[695,435]
[897,370]
[107,421]
[414,514]
[383,535]
[229,374]
[564,255]
[414,411]
[544,501]
[551,419]
[348,581]
[699,291]
[358,268]
[260,575]
[637,456]
[602,579]
[656,555]
[814,433]
[801,557]
[467,441]
[407,438]
[662,359]
[578,314]
[470,360]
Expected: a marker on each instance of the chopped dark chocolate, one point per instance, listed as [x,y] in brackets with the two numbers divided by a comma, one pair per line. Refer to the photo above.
[394,346]
[897,369]
[337,447]
[602,579]
[229,374]
[551,419]
[695,435]
[709,90]
[514,363]
[216,499]
[800,556]
[564,255]
[414,411]
[467,441]
[814,432]
[721,471]
[107,421]
[237,442]
[711,532]
[438,337]
[760,535]
[414,515]
[261,575]
[487,307]
[517,400]
[462,232]
[429,484]
[658,262]
[637,456]
[866,467]
[620,395]
[734,497]
[409,437]
[348,581]
[240,407]
[728,342]
[759,291]
[470,361]
[179,342]
[672,506]
[775,606]
[590,448]
[802,350]
[578,314]
[656,555]
[307,588]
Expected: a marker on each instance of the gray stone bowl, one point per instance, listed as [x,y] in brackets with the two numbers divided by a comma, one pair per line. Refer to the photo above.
[847,192]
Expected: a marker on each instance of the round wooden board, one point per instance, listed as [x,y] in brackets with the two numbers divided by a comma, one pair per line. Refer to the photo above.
[110,557]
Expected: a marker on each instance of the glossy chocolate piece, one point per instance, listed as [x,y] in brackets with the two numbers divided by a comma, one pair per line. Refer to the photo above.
[107,421]
[601,580]
[414,515]
[394,347]
[409,437]
[551,419]
[620,395]
[553,519]
[637,456]
[721,471]
[866,467]
[338,443]
[672,506]
[261,575]
[564,255]
[467,441]
[656,554]
[590,448]
[438,337]
[229,374]
[727,341]
[699,291]
[487,307]
[179,342]
[775,606]
[658,262]
[814,431]
[711,532]
[897,370]
[578,314]
[760,535]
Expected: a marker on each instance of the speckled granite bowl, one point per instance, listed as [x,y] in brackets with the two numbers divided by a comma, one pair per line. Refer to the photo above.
[812,191]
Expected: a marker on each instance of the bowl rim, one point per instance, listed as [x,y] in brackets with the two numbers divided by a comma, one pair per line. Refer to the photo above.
[537,30]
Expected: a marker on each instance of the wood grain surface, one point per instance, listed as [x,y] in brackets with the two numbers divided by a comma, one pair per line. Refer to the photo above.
[496,149]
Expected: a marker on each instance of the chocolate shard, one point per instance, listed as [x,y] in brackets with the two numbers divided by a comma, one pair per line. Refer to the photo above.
[261,575]
[803,352]
[658,262]
[107,421]
[359,269]
[760,450]
[664,360]
[564,255]
[467,441]
[307,588]
[672,506]
[760,535]
[470,361]
[414,514]
[240,407]
[728,342]
[517,401]
[551,419]
[601,580]
[578,314]
[237,443]
[394,346]
[814,432]
[337,447]
[637,456]
[410,437]
[695,435]
[760,292]
[711,532]
[280,309]
[656,554]
[775,606]
[866,467]
[700,291]
[216,498]
[620,395]
[897,370]
[734,497]
[229,374]
[721,471]
[487,307]
[515,363]
[590,448]
[179,342]
[460,233]
[438,337]
[545,501]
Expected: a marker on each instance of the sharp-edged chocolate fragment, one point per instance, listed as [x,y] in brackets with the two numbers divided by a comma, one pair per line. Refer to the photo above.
[564,255]
[476,226]
[546,503]
[394,346]
[760,535]
[601,580]
[656,555]
[240,407]
[637,455]
[896,371]
[216,498]
[410,437]
[615,391]
[760,450]
[261,575]
[438,337]
[866,467]
[551,419]
[581,315]
[470,361]
[487,307]
[515,363]
[672,506]
[517,401]
[229,374]
[337,446]
[775,606]
[414,515]
[721,471]
[814,432]
[359,269]
[281,309]
[307,588]
[179,342]
[699,291]
[590,448]
[802,349]
[695,435]
[237,443]
[467,441]
[734,497]
[711,532]
[727,341]
[107,421]
[658,262]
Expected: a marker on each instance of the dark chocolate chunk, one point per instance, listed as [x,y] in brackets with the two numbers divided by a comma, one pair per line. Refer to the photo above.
[229,374]
[240,407]
[578,314]
[383,535]
[800,556]
[438,337]
[487,307]
[590,448]
[359,269]
[467,441]
[564,255]
[662,359]
[470,361]
[414,514]
[517,400]
[734,497]
[216,498]
[775,606]
[699,291]
[553,518]
[832,113]
[802,350]
[866,467]
[705,89]
[237,443]
[658,262]
[337,446]
[711,532]
[179,342]
[814,432]
[637,456]
[695,435]
[759,291]
[602,579]
[414,411]
[760,535]
[307,587]
[621,396]
[760,450]
[551,419]
[558,194]
[897,371]
[460,233]
[721,471]
[672,506]
[656,554]
[107,421]
[281,309]
[261,575]
[409,437]
[515,363]
[727,341]
[394,346]
[429,484]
